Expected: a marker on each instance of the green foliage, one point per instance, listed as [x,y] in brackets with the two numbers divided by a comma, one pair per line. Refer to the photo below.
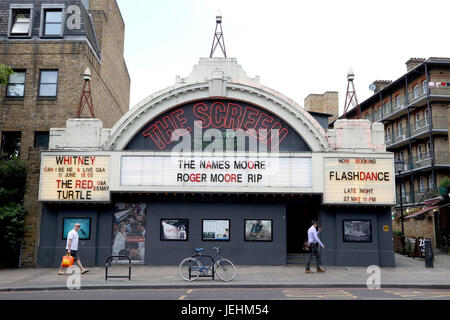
[445,182]
[12,218]
[5,72]
[12,181]
[397,233]
[12,210]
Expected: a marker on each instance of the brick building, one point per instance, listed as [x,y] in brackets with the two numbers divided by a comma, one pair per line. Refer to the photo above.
[416,116]
[49,44]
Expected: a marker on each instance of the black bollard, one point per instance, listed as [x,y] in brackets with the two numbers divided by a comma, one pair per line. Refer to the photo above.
[429,256]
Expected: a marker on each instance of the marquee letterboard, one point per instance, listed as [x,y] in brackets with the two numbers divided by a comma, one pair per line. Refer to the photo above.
[359,180]
[223,172]
[74,178]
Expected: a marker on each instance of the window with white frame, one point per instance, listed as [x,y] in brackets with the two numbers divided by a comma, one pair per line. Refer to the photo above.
[20,20]
[416,91]
[428,149]
[403,189]
[386,108]
[421,184]
[430,181]
[380,112]
[417,121]
[398,101]
[388,134]
[399,129]
[425,117]
[424,87]
[419,152]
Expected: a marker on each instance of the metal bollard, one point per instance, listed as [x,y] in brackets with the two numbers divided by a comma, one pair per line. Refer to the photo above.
[429,256]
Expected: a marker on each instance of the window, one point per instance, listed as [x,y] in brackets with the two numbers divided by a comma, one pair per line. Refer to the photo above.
[400,157]
[398,102]
[417,121]
[419,152]
[399,129]
[48,83]
[388,134]
[425,117]
[421,184]
[10,146]
[16,84]
[20,22]
[380,112]
[424,87]
[428,148]
[430,181]
[53,23]
[41,139]
[416,91]
[403,190]
[52,20]
[386,108]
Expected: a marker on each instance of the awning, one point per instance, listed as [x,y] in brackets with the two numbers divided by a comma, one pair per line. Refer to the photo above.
[418,213]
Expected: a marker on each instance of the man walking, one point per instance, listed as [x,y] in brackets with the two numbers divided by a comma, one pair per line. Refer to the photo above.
[314,242]
[72,249]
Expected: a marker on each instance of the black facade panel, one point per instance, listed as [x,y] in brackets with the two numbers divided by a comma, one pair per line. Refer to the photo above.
[378,252]
[236,249]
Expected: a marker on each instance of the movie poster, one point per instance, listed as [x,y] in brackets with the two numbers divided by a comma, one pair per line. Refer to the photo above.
[174,229]
[129,227]
[258,230]
[216,230]
[85,227]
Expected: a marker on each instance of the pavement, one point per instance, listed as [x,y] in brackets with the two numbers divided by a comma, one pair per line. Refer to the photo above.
[408,273]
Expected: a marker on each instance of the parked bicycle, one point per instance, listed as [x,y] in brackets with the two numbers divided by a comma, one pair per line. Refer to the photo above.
[201,265]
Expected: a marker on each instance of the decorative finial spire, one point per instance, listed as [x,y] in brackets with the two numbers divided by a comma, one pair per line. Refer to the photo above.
[218,36]
[351,98]
[86,95]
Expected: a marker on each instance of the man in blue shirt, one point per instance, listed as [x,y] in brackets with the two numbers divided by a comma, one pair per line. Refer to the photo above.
[314,242]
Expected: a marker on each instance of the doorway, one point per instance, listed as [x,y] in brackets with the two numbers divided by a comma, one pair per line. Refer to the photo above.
[298,220]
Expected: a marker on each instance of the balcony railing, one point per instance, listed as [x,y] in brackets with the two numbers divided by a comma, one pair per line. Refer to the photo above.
[420,196]
[416,128]
[439,90]
[423,194]
[424,160]
[413,96]
[405,199]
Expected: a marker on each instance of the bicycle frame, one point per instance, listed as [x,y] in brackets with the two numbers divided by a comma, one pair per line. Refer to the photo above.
[206,267]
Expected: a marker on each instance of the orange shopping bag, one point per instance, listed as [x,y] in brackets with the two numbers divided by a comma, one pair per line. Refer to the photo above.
[67,261]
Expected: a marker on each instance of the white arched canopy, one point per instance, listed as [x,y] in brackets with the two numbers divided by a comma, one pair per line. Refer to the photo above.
[287,110]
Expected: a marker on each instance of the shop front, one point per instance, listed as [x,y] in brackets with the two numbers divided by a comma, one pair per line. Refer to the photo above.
[217,158]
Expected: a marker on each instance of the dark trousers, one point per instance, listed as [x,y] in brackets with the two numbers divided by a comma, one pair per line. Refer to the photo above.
[314,251]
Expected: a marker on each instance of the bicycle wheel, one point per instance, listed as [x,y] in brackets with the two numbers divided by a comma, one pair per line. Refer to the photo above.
[189,269]
[225,270]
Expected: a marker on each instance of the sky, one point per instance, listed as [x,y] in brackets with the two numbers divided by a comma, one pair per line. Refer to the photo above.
[297,47]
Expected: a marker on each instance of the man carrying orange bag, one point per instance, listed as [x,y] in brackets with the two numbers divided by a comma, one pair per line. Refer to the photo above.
[72,249]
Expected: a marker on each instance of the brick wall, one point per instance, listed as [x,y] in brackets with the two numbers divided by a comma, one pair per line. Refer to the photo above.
[110,93]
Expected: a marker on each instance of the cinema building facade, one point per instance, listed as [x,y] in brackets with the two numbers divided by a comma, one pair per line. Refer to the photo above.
[218,158]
